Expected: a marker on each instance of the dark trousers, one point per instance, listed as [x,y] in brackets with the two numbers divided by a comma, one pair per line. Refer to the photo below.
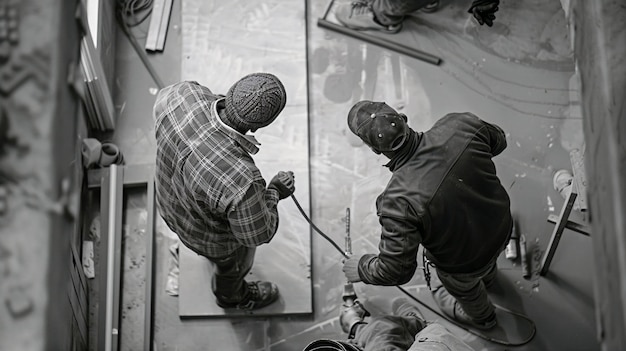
[228,284]
[389,12]
[469,290]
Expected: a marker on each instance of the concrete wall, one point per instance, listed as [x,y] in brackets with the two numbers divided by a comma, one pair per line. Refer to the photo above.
[600,48]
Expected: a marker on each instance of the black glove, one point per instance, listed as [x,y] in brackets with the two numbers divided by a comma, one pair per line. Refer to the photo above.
[284,183]
[484,11]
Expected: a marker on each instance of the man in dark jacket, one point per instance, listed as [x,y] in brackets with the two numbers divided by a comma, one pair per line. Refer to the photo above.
[445,195]
[208,188]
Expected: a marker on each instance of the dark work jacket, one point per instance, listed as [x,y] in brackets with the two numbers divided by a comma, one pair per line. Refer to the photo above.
[444,194]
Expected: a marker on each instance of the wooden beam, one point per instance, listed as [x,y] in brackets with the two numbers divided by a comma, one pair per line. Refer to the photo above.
[157,31]
[557,232]
[577,227]
[599,27]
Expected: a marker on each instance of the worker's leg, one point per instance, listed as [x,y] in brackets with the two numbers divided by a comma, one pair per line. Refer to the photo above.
[391,12]
[229,285]
[490,277]
[387,333]
[469,290]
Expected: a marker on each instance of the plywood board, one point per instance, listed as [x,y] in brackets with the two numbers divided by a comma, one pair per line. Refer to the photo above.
[221,44]
[272,263]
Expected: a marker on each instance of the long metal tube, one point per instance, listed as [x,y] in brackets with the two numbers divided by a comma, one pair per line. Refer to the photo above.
[111,212]
[387,44]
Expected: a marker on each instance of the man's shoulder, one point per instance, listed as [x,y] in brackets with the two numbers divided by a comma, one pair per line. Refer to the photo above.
[185,89]
[459,118]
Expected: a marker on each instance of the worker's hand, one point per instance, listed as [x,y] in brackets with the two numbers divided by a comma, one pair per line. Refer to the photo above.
[351,269]
[351,316]
[284,183]
[484,11]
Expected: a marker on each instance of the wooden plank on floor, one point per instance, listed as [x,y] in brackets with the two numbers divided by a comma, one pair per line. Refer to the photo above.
[271,263]
[216,61]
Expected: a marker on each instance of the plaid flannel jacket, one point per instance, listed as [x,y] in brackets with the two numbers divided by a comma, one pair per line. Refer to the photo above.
[208,189]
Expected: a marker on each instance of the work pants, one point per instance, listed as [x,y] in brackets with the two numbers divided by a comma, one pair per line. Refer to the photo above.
[228,283]
[390,12]
[469,290]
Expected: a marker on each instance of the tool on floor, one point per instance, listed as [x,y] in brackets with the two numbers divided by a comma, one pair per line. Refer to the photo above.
[495,339]
[523,253]
[373,39]
[511,248]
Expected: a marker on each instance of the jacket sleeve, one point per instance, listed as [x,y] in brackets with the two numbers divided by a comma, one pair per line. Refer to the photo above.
[254,220]
[397,259]
[497,138]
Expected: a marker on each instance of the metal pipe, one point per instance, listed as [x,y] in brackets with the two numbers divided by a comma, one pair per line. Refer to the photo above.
[111,212]
[148,304]
[387,44]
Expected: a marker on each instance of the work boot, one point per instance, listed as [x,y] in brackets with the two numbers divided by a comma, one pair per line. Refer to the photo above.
[402,307]
[360,16]
[431,7]
[451,308]
[260,294]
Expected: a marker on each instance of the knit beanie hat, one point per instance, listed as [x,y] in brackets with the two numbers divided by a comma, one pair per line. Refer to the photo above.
[378,125]
[254,101]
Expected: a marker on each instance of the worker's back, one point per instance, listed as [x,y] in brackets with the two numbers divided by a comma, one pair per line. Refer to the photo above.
[454,194]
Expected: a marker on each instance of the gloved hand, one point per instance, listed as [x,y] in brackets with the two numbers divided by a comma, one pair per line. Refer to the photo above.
[484,11]
[284,183]
[351,269]
[351,316]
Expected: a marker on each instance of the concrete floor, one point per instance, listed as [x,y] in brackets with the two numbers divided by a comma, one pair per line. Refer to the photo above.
[517,74]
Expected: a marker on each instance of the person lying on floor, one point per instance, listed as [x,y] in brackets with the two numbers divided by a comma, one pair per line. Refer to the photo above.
[403,330]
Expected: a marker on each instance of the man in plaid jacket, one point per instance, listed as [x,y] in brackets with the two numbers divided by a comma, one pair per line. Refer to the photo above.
[208,188]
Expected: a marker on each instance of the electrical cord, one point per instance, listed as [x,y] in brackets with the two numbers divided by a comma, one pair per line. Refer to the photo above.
[474,332]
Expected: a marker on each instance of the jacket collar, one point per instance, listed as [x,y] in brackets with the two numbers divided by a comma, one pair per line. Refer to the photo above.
[248,142]
[400,157]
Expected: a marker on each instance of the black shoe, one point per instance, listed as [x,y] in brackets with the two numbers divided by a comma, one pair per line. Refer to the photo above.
[451,308]
[260,294]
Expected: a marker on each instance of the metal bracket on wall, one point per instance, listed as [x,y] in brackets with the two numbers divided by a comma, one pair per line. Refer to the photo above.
[112,181]
[387,44]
